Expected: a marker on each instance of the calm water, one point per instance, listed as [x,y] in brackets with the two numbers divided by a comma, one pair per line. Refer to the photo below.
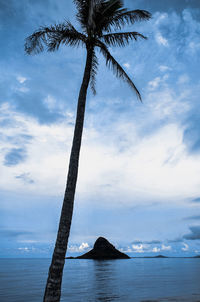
[23,280]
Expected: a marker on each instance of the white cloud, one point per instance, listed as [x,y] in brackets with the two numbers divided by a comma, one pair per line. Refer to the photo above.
[24,249]
[193,47]
[166,247]
[166,104]
[154,83]
[191,28]
[138,248]
[125,249]
[164,68]
[141,248]
[27,241]
[154,167]
[185,247]
[21,79]
[179,31]
[83,247]
[50,102]
[127,65]
[23,89]
[156,249]
[160,18]
[183,79]
[54,105]
[161,40]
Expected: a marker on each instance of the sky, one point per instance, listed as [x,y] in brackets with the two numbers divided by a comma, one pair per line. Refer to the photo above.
[138,182]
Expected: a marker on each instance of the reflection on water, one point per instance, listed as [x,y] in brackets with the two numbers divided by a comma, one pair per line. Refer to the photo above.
[104,277]
[130,280]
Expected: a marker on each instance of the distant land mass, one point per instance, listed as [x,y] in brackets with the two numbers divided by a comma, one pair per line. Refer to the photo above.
[158,256]
[103,250]
[162,256]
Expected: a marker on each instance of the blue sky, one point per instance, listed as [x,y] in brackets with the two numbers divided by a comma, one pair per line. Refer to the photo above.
[139,171]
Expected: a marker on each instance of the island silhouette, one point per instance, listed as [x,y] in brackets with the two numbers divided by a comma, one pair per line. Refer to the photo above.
[102,250]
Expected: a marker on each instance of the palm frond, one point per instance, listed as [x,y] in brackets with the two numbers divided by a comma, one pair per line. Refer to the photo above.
[93,72]
[129,17]
[111,8]
[94,14]
[79,3]
[121,39]
[51,38]
[107,11]
[82,12]
[116,67]
[35,43]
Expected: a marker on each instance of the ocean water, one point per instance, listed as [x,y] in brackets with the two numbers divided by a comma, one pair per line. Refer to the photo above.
[132,280]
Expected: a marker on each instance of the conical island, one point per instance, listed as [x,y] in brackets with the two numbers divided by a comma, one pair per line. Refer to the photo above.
[103,250]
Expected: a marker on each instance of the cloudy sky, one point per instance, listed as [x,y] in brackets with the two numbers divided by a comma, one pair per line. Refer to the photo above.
[139,183]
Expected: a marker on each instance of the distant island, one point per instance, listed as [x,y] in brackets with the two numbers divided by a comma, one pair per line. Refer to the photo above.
[158,256]
[162,256]
[102,250]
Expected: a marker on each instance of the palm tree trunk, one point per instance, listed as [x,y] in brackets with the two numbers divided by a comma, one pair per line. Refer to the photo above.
[54,281]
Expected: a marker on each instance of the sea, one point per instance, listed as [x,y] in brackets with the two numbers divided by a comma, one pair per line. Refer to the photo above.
[127,280]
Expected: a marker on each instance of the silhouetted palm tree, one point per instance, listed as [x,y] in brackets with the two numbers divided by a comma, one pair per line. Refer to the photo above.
[97,19]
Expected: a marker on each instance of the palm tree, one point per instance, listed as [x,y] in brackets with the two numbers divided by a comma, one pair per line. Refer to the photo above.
[97,19]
